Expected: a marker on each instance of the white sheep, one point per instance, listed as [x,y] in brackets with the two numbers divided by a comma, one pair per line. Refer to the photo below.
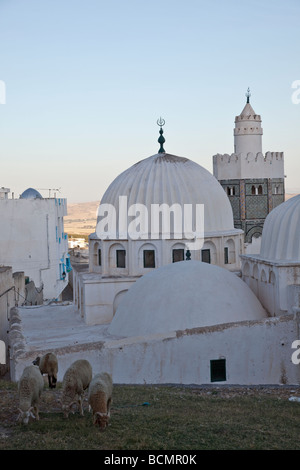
[76,379]
[100,398]
[30,387]
[48,364]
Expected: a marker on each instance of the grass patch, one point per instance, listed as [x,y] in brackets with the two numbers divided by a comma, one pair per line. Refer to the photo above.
[176,418]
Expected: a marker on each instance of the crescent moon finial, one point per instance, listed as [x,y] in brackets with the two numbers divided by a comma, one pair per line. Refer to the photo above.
[161,122]
[161,140]
[248,94]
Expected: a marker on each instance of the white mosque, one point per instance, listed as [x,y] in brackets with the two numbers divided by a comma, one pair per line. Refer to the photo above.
[152,309]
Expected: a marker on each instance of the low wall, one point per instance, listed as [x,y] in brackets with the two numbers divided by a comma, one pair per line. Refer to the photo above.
[256,352]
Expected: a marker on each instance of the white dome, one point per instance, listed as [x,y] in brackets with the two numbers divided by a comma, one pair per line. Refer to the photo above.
[187,294]
[280,237]
[168,179]
[31,193]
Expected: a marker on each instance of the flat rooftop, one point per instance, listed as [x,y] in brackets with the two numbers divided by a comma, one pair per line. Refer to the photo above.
[57,325]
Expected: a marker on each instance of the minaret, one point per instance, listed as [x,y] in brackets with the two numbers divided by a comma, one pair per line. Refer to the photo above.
[248,131]
[253,181]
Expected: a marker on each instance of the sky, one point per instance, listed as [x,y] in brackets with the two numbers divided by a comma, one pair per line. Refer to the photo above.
[82,84]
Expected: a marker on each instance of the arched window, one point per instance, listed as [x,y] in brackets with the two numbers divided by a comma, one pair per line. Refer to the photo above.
[229,252]
[178,251]
[147,256]
[253,190]
[260,189]
[117,257]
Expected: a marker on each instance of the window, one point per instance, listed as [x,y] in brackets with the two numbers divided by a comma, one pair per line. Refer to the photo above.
[205,256]
[62,273]
[149,259]
[230,190]
[68,264]
[121,254]
[178,255]
[260,189]
[226,255]
[218,370]
[99,257]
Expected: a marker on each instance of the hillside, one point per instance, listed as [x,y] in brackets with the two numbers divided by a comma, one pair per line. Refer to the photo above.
[82,216]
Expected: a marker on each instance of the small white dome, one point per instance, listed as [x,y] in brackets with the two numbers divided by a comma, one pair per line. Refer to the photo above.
[187,294]
[280,237]
[31,193]
[168,179]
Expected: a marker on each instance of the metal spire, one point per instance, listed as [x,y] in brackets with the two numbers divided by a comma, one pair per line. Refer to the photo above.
[248,94]
[161,140]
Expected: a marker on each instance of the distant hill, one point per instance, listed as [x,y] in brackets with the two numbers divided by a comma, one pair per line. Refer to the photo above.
[82,216]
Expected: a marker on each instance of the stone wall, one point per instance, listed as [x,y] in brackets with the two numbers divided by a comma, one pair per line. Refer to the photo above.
[11,294]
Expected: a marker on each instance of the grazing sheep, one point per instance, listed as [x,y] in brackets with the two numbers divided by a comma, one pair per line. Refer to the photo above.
[30,387]
[48,365]
[76,379]
[99,398]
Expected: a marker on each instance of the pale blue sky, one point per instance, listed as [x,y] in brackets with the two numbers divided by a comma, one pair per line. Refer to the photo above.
[87,80]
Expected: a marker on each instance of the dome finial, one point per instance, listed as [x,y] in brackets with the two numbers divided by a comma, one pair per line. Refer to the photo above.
[161,140]
[248,94]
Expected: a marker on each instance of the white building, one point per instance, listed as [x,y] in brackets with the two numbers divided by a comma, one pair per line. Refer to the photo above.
[32,239]
[274,273]
[159,183]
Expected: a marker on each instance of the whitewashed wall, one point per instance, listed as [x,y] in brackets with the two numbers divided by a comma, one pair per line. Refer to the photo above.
[32,240]
[256,352]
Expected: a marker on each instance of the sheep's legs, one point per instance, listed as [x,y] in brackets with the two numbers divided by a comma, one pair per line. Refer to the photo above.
[36,412]
[108,406]
[80,405]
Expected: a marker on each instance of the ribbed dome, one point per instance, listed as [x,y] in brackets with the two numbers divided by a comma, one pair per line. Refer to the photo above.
[187,294]
[31,193]
[280,237]
[168,179]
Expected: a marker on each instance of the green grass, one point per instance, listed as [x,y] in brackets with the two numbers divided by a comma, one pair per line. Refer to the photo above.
[177,418]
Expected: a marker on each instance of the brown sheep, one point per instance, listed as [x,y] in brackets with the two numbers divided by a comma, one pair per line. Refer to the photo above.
[48,365]
[100,398]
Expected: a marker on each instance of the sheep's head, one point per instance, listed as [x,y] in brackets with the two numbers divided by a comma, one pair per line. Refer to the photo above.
[67,408]
[36,362]
[25,415]
[101,420]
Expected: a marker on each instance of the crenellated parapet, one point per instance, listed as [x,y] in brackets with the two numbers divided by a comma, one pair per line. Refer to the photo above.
[248,165]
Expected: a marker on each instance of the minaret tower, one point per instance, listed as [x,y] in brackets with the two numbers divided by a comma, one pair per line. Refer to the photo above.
[253,182]
[248,131]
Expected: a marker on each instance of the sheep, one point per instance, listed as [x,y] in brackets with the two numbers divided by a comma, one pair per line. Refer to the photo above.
[76,379]
[30,387]
[100,398]
[48,365]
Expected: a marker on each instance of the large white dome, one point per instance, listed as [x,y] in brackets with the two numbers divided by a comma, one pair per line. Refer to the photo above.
[183,295]
[281,232]
[168,179]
